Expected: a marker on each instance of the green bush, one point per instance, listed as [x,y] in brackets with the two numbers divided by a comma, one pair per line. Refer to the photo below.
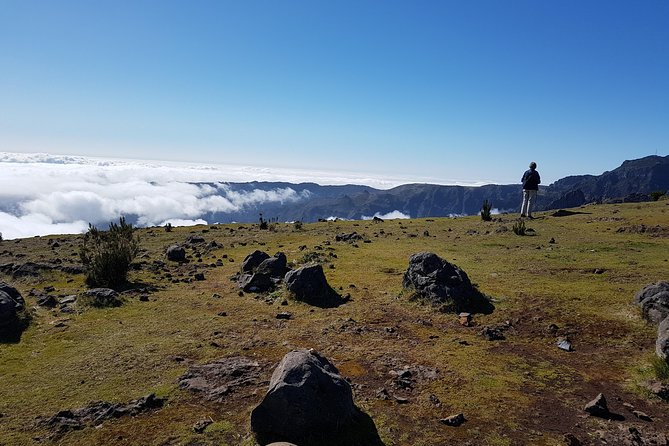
[656,195]
[519,227]
[107,255]
[485,211]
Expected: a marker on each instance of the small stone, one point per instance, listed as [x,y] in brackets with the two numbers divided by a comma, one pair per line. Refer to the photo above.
[201,425]
[641,415]
[598,407]
[454,420]
[284,315]
[199,276]
[401,400]
[143,298]
[216,296]
[222,314]
[565,345]
[465,319]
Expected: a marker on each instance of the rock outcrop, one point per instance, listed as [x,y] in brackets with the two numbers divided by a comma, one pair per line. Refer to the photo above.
[308,284]
[215,380]
[662,343]
[310,404]
[439,282]
[13,315]
[654,301]
[261,273]
[97,412]
[176,253]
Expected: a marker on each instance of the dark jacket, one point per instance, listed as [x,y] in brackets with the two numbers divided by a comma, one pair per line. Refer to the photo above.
[531,180]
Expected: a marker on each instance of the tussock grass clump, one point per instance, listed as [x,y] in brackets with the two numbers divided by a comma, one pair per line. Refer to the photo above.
[107,255]
[519,227]
[660,368]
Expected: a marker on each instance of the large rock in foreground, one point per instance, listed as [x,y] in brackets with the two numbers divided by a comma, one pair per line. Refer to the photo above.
[440,282]
[310,404]
[654,302]
[308,284]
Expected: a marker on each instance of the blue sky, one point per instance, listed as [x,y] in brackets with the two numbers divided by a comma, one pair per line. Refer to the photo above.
[446,90]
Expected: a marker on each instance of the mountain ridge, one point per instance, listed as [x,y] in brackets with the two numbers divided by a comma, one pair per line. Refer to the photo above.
[632,180]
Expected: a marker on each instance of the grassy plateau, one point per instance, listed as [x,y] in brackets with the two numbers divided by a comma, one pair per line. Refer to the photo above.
[571,276]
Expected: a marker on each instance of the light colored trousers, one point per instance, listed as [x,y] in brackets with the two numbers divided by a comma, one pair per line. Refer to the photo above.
[529,198]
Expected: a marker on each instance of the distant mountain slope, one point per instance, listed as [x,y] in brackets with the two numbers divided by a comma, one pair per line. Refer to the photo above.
[640,176]
[643,175]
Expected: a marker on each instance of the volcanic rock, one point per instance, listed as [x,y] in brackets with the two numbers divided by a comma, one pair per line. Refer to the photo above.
[308,284]
[255,283]
[598,407]
[310,404]
[176,253]
[217,379]
[97,412]
[275,267]
[253,260]
[662,343]
[440,282]
[654,301]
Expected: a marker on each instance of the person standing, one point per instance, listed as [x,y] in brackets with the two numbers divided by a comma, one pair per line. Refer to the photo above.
[531,181]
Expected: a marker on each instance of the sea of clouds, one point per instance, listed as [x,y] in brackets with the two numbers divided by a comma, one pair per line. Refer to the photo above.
[43,194]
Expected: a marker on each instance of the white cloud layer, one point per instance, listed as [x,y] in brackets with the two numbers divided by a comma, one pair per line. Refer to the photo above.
[44,194]
[394,215]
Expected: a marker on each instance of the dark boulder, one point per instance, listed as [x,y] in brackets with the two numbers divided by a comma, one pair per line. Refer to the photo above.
[275,267]
[308,284]
[14,295]
[654,301]
[439,282]
[8,312]
[255,283]
[310,404]
[13,315]
[176,253]
[253,260]
[598,407]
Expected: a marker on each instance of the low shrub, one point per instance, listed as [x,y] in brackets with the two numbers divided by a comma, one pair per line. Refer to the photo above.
[106,255]
[519,227]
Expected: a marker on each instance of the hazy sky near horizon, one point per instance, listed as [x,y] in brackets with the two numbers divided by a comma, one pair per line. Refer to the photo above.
[454,90]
